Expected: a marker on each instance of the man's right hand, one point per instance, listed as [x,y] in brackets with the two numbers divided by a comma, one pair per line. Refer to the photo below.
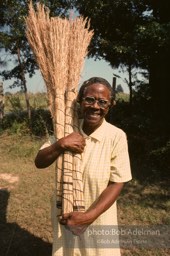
[73,142]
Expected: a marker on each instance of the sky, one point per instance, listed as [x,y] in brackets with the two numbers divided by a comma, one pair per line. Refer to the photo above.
[91,68]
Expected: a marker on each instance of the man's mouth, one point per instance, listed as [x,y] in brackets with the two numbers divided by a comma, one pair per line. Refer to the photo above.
[92,115]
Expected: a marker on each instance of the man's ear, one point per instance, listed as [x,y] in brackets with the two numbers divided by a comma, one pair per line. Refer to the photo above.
[112,104]
[79,112]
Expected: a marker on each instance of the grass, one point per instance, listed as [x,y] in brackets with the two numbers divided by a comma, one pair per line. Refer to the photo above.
[27,213]
[25,192]
[17,101]
[121,96]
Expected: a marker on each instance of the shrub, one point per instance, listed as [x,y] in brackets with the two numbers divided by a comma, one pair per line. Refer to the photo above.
[41,122]
[160,160]
[17,122]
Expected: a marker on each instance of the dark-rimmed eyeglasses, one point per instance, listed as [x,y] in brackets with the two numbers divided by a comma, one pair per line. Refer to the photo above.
[92,100]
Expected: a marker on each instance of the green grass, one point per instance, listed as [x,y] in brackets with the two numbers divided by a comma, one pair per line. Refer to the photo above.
[121,96]
[25,222]
[17,101]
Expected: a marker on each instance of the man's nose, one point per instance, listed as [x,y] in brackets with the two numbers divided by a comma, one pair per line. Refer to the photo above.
[96,105]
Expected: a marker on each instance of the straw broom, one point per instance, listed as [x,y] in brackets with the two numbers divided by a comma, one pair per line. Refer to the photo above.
[40,33]
[57,46]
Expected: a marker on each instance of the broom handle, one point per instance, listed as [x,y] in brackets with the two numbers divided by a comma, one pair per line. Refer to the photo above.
[72,186]
[59,133]
[67,201]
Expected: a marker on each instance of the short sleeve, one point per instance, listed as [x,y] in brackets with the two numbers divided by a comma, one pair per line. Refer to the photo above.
[120,163]
[48,143]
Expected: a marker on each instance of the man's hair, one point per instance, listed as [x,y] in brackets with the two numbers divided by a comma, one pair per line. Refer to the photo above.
[94,80]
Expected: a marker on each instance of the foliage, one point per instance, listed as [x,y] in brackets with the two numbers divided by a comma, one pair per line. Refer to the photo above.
[119,88]
[12,37]
[37,100]
[134,34]
[119,16]
[126,32]
[16,118]
[121,97]
[159,157]
[15,103]
[41,123]
[17,122]
[144,139]
[149,150]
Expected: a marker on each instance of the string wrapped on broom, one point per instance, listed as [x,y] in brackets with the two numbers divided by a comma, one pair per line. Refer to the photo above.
[60,47]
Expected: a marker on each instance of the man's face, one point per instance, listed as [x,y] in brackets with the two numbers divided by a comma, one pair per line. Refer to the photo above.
[94,112]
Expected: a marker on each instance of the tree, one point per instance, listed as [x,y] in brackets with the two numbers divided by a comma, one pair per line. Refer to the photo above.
[14,42]
[129,34]
[114,25]
[134,34]
[119,88]
[159,63]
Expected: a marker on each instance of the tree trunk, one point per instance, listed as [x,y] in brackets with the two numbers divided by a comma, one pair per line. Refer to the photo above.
[23,80]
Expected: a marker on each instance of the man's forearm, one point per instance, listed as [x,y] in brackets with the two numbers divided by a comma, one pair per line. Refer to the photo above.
[47,156]
[77,222]
[105,200]
[73,142]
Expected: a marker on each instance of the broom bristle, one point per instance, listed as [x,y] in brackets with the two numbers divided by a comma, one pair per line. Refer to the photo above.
[60,47]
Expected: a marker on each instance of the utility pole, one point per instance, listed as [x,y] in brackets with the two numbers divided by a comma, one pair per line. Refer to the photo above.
[114,86]
[109,117]
[1,101]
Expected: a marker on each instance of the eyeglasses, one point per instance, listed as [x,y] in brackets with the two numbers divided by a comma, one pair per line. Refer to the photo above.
[101,102]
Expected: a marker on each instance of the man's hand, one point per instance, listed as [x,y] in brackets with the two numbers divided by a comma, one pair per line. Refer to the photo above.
[74,142]
[76,222]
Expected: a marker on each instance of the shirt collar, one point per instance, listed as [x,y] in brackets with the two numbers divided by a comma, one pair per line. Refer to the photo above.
[97,134]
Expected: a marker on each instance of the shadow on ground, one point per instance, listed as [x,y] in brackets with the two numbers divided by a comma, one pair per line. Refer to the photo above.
[14,240]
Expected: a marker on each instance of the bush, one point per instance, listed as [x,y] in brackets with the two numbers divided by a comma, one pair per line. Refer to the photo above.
[149,150]
[130,118]
[41,122]
[14,117]
[160,160]
[18,122]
